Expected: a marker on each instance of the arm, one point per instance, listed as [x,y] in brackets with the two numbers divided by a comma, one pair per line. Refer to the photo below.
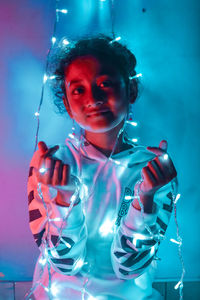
[133,248]
[138,237]
[67,255]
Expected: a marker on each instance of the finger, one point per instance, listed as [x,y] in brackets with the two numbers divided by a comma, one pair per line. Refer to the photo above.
[148,178]
[163,145]
[42,147]
[159,150]
[167,167]
[66,174]
[51,151]
[156,170]
[156,150]
[47,174]
[57,174]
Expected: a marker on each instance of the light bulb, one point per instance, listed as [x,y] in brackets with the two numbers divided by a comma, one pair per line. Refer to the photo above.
[53,39]
[65,42]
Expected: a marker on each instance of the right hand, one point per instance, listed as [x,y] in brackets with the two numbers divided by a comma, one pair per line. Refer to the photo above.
[57,174]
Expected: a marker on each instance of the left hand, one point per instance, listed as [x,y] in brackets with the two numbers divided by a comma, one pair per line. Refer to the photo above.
[158,171]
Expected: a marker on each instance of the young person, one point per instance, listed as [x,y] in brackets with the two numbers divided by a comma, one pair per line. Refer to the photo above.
[99,205]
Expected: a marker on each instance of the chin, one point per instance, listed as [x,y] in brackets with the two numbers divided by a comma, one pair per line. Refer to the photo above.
[103,127]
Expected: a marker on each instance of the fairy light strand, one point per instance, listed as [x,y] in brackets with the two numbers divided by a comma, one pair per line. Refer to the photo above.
[45,260]
[53,40]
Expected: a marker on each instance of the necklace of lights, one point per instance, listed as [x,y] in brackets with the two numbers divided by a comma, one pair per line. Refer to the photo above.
[52,288]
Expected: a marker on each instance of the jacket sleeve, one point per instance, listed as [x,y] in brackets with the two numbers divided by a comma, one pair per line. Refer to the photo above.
[46,219]
[134,247]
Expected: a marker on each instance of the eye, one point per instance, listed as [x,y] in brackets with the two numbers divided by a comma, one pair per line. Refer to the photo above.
[78,90]
[106,84]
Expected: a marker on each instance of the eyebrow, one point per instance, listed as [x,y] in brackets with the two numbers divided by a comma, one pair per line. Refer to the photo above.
[74,82]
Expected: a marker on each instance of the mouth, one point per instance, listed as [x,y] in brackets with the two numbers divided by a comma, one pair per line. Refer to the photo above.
[98,112]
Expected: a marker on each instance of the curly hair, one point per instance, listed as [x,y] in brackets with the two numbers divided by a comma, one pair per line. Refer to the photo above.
[103,48]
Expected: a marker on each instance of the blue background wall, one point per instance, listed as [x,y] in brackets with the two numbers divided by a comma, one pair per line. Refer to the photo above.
[165,40]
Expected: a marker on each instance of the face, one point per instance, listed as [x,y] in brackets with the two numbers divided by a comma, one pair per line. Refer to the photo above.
[96,94]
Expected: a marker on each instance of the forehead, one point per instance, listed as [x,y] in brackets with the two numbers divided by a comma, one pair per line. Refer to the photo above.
[90,66]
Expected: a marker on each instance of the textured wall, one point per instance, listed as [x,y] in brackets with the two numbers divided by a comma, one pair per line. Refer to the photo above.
[164,35]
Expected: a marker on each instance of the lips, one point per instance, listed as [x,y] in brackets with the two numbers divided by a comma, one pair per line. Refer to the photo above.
[97,111]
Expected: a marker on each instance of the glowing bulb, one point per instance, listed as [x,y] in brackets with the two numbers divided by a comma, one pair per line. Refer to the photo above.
[55,219]
[64,11]
[116,162]
[176,242]
[53,40]
[73,199]
[45,78]
[46,288]
[91,297]
[116,39]
[177,197]
[134,140]
[67,244]
[42,261]
[42,170]
[71,135]
[106,227]
[152,250]
[128,197]
[177,285]
[137,236]
[37,114]
[132,123]
[65,42]
[165,156]
[136,76]
[79,264]
[54,290]
[52,77]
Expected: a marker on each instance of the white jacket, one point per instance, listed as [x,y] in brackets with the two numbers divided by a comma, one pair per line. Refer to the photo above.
[105,252]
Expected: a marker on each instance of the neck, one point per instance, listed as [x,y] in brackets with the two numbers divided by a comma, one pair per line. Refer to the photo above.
[105,141]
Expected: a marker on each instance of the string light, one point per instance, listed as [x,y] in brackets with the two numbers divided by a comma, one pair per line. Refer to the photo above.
[107,227]
[135,76]
[63,11]
[132,123]
[43,261]
[42,170]
[177,198]
[176,242]
[53,39]
[115,40]
[134,140]
[45,77]
[165,156]
[65,42]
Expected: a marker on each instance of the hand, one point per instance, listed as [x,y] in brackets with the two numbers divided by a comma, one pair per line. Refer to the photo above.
[52,171]
[158,171]
[156,174]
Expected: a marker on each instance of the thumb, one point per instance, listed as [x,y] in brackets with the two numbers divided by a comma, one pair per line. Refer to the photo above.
[42,147]
[163,145]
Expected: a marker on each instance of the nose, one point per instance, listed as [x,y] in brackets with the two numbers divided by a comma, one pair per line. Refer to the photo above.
[97,97]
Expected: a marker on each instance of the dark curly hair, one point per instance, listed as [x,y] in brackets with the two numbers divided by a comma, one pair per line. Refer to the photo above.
[103,48]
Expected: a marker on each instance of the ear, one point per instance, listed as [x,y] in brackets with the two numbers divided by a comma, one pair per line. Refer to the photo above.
[132,92]
[65,101]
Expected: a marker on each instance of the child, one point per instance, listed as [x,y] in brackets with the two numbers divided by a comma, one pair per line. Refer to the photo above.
[98,205]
